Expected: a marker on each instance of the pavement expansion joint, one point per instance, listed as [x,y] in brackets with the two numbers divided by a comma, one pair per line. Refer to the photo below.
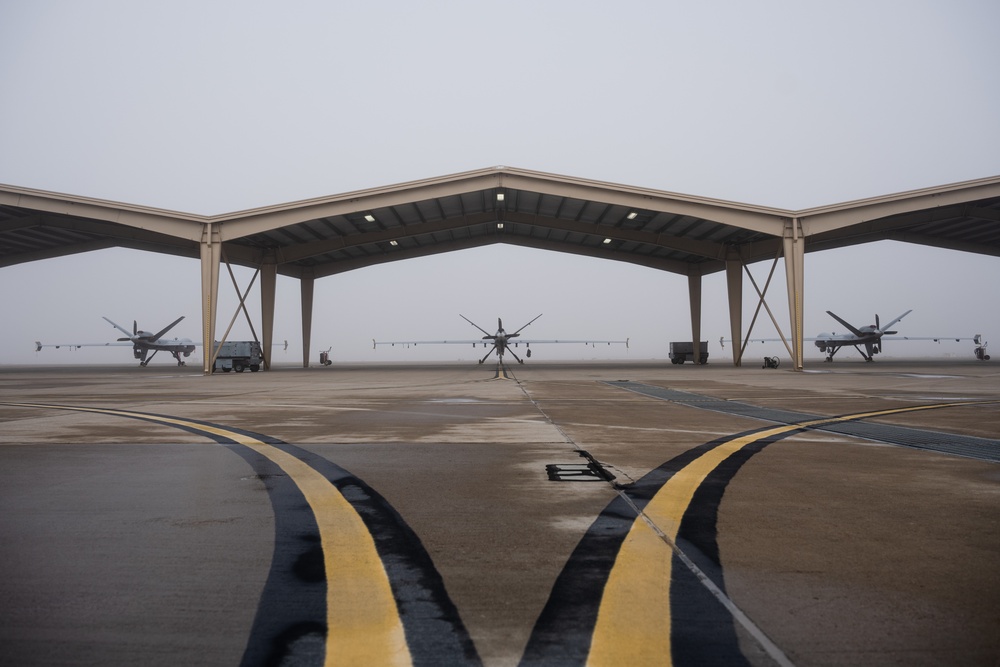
[983,449]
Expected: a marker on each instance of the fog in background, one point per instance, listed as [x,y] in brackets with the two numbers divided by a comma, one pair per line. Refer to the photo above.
[217,107]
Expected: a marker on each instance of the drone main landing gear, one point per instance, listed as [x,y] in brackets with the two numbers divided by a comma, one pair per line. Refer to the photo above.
[866,357]
[872,351]
[489,353]
[519,360]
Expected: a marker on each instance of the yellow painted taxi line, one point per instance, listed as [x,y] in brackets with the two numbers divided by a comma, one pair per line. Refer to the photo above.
[634,621]
[502,373]
[363,623]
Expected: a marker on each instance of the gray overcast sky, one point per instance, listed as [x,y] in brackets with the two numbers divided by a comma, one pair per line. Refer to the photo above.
[211,107]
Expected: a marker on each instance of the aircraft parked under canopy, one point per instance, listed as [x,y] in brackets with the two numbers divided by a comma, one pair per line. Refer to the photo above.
[871,337]
[142,342]
[501,340]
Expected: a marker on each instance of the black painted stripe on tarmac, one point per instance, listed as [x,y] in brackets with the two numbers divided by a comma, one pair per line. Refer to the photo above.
[290,623]
[435,633]
[702,630]
[701,625]
[982,449]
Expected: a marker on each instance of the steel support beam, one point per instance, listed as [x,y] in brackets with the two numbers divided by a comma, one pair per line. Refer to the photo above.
[211,254]
[307,282]
[734,285]
[268,287]
[694,296]
[794,250]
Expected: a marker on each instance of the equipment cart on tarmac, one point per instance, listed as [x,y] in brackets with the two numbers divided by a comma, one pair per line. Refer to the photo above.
[238,355]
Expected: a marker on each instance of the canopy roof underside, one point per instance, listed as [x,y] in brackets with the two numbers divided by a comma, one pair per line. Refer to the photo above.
[668,231]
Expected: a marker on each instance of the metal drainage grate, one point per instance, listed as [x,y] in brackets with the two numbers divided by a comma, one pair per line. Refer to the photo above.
[591,471]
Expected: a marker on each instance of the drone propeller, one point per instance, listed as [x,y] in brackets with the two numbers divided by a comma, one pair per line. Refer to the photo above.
[887,333]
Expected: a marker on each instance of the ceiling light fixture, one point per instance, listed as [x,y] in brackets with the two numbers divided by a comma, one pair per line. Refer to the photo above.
[394,242]
[632,216]
[607,241]
[499,196]
[499,225]
[369,217]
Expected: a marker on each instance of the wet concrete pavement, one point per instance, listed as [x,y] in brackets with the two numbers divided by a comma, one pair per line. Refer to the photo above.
[153,537]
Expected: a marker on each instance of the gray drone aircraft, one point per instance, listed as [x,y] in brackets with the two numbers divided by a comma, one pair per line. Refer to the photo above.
[870,337]
[142,342]
[501,341]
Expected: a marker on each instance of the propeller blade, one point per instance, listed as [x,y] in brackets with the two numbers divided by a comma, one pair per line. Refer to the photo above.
[525,326]
[851,328]
[877,327]
[488,334]
[135,328]
[167,328]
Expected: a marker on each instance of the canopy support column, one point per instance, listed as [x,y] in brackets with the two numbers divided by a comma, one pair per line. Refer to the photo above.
[694,297]
[268,287]
[211,254]
[794,249]
[307,280]
[734,285]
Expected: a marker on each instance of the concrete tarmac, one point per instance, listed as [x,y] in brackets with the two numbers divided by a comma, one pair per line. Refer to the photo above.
[566,514]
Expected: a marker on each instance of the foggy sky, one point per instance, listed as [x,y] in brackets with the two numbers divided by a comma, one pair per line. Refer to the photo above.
[217,107]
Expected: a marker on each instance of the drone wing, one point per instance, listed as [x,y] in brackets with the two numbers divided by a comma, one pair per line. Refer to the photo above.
[409,343]
[588,341]
[936,339]
[39,345]
[723,341]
